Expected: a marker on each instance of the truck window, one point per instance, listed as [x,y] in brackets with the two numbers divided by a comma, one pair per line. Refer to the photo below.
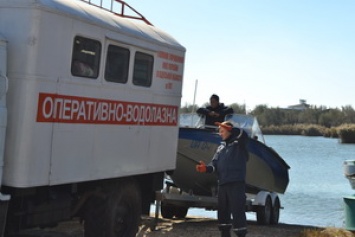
[86,57]
[117,64]
[143,69]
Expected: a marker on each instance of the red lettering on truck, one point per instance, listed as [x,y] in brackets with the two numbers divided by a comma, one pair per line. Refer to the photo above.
[55,108]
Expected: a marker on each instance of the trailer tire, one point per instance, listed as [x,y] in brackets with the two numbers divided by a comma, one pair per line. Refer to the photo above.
[124,208]
[263,213]
[181,212]
[167,211]
[275,212]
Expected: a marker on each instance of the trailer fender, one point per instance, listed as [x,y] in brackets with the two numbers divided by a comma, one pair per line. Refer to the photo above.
[273,196]
[260,198]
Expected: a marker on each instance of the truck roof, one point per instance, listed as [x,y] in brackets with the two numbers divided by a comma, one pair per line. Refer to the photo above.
[99,16]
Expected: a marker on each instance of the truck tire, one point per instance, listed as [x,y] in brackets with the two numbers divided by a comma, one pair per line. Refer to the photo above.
[263,213]
[124,208]
[275,212]
[115,213]
[94,211]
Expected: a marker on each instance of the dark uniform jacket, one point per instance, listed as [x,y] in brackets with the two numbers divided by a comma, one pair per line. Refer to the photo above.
[229,161]
[222,110]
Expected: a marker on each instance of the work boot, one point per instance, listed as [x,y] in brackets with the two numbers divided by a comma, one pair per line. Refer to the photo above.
[242,233]
[225,233]
[225,230]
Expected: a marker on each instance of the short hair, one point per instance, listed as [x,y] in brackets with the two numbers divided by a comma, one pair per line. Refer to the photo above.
[214,96]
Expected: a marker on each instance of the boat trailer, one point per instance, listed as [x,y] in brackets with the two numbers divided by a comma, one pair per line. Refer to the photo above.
[172,202]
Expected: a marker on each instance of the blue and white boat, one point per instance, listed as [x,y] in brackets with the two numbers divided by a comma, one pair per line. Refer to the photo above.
[266,170]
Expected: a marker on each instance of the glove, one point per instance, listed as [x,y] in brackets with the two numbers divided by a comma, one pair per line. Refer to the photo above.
[201,167]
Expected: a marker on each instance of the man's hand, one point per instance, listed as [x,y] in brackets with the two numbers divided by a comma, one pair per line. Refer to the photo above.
[201,167]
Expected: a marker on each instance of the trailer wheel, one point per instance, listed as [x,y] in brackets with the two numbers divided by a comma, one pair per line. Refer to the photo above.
[167,211]
[275,213]
[124,208]
[263,213]
[181,212]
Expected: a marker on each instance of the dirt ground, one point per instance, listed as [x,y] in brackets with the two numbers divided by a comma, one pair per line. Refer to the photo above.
[196,227]
[189,227]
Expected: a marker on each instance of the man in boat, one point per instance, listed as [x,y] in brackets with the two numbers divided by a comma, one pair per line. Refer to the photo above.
[229,162]
[215,112]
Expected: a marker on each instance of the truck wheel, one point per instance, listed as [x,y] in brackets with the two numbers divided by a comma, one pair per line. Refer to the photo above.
[124,208]
[167,211]
[263,213]
[181,212]
[93,221]
[275,212]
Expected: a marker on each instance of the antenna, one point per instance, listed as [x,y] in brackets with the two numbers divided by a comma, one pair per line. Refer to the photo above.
[193,103]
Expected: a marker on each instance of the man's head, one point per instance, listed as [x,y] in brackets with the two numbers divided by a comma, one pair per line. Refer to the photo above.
[225,129]
[214,101]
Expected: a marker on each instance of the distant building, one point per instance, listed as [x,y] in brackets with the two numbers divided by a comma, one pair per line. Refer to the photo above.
[301,106]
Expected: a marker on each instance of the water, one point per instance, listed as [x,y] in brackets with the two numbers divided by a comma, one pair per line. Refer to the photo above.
[317,183]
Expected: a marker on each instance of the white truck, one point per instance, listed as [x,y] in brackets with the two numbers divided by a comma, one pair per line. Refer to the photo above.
[88,114]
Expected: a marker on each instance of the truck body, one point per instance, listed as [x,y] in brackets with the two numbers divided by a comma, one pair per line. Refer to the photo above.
[91,105]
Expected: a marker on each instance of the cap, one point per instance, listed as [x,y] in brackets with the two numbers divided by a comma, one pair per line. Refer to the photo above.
[227,125]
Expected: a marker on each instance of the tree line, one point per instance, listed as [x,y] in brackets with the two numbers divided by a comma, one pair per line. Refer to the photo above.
[275,116]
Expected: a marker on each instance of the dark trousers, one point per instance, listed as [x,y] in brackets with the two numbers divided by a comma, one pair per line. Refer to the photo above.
[231,202]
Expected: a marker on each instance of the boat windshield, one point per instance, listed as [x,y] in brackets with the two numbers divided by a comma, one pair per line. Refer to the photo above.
[247,122]
[192,120]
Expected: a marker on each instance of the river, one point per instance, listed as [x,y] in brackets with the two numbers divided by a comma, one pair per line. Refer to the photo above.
[317,183]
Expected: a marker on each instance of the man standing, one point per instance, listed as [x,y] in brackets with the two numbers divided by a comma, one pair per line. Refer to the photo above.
[229,162]
[215,112]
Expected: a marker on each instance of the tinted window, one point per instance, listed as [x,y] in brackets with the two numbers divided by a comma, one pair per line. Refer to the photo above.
[117,63]
[143,69]
[86,57]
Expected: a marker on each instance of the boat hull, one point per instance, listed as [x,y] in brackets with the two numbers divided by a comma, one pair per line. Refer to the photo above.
[266,170]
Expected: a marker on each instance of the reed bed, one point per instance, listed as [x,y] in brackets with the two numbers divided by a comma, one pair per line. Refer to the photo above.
[345,132]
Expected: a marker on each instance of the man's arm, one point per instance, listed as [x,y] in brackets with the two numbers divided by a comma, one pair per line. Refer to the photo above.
[203,111]
[226,110]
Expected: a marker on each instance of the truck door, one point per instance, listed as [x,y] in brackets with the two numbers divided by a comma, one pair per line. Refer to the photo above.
[4,199]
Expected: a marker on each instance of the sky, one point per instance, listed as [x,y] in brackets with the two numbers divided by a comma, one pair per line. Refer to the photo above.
[262,52]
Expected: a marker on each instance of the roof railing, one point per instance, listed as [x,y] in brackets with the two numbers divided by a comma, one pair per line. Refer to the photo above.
[113,6]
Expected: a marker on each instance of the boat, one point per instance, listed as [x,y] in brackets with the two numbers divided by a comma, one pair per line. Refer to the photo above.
[349,171]
[266,170]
